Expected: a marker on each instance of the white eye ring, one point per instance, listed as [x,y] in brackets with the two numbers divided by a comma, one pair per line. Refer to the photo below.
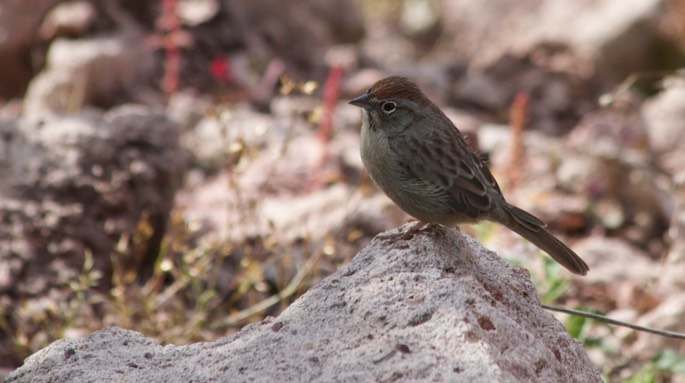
[388,107]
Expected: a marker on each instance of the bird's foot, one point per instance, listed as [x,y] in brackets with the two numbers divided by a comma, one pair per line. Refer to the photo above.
[413,230]
[409,234]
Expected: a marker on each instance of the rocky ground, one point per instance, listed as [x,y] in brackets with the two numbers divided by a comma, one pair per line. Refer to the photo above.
[183,168]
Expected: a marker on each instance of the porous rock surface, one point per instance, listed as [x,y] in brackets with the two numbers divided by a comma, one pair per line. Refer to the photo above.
[433,307]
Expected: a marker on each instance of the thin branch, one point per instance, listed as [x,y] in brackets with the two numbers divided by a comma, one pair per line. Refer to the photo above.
[264,305]
[519,119]
[603,318]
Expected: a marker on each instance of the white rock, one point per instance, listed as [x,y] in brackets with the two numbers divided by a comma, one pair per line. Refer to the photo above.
[437,307]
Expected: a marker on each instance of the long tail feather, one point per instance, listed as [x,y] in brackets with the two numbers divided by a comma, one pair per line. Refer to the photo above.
[532,229]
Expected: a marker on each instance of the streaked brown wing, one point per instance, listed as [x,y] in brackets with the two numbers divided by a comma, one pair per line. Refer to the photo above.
[443,166]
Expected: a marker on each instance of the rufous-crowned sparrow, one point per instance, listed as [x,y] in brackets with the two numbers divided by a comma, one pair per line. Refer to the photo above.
[416,155]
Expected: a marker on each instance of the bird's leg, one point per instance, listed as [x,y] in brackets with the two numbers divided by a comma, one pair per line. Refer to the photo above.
[409,234]
[415,228]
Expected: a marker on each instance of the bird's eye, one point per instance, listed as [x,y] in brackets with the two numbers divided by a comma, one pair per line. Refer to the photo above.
[388,107]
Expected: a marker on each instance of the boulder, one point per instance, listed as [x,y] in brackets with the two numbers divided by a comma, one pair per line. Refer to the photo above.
[435,306]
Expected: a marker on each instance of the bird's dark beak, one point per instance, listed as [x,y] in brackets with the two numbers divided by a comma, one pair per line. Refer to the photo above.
[362,101]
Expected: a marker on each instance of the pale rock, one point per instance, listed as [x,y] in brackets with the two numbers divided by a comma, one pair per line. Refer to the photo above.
[436,307]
